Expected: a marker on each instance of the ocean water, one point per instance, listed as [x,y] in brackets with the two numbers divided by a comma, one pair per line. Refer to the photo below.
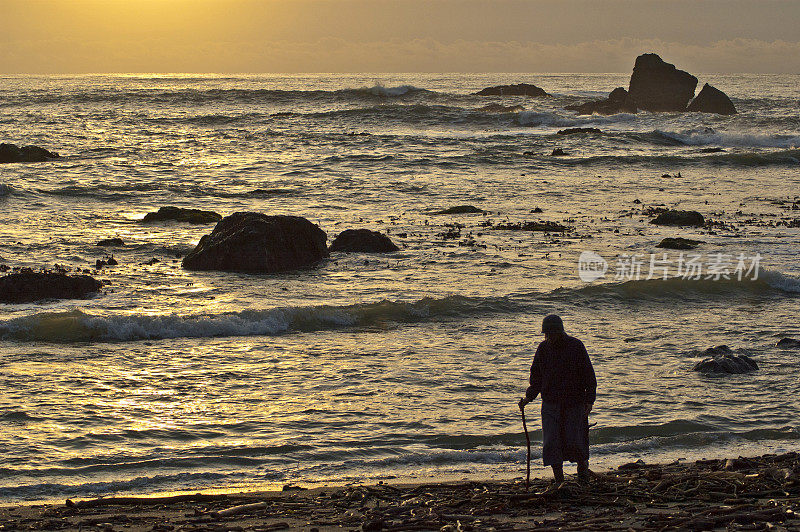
[384,367]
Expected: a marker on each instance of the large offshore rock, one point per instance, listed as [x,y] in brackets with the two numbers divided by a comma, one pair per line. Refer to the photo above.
[520,89]
[179,214]
[619,101]
[658,86]
[362,241]
[11,153]
[25,287]
[712,100]
[255,242]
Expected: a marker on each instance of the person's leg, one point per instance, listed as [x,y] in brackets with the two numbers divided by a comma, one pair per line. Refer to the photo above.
[576,439]
[583,471]
[551,438]
[558,473]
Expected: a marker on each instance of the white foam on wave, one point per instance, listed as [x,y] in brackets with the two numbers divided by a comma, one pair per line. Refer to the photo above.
[380,90]
[709,136]
[780,281]
[536,118]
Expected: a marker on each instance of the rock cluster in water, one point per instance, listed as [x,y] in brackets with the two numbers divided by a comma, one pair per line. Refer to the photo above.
[362,241]
[658,86]
[11,153]
[722,360]
[255,242]
[29,286]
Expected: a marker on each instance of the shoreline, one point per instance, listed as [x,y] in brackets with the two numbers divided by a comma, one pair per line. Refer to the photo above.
[702,495]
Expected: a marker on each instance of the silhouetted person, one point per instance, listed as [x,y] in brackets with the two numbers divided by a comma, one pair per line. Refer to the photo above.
[563,374]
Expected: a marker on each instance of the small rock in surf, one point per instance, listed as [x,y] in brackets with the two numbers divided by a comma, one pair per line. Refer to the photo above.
[29,286]
[679,218]
[579,130]
[362,241]
[788,343]
[11,153]
[520,89]
[179,214]
[111,242]
[679,243]
[460,209]
[723,360]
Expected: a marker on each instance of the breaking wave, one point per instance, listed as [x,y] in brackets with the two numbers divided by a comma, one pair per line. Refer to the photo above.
[79,326]
[710,137]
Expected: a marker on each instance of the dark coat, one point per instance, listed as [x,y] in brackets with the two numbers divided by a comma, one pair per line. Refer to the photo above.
[562,374]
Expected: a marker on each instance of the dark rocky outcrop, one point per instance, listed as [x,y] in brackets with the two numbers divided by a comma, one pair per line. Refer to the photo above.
[25,287]
[619,101]
[658,86]
[255,242]
[712,100]
[520,89]
[362,241]
[11,153]
[579,131]
[111,242]
[721,359]
[788,343]
[179,214]
[678,243]
[679,218]
[460,209]
[558,152]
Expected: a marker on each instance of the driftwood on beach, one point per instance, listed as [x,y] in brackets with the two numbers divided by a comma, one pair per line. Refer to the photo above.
[741,494]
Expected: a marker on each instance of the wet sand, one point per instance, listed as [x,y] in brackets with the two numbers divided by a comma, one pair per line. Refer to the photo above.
[760,493]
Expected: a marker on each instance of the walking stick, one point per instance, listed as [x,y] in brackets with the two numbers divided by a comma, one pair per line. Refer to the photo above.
[528,440]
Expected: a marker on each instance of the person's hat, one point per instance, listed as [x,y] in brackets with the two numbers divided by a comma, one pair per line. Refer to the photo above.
[552,324]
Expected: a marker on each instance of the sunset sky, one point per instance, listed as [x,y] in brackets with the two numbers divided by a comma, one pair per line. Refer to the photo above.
[78,36]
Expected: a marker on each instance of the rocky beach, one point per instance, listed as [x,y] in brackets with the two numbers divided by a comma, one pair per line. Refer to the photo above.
[760,493]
